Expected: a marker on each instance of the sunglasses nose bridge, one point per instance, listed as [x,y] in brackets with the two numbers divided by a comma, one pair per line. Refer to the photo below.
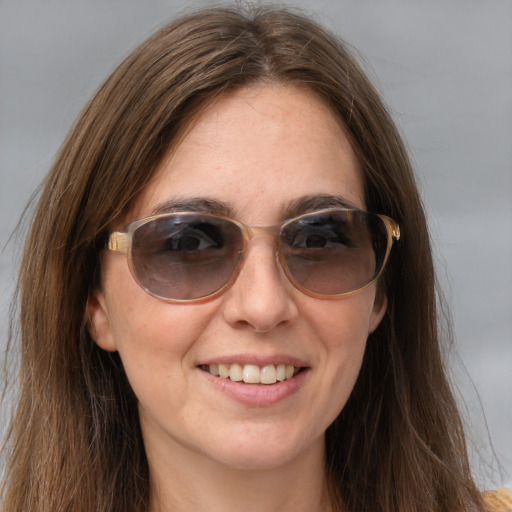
[260,231]
[272,232]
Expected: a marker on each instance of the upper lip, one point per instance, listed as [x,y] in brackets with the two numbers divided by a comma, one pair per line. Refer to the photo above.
[255,359]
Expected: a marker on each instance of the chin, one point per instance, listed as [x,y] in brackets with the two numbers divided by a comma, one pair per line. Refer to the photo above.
[255,461]
[267,452]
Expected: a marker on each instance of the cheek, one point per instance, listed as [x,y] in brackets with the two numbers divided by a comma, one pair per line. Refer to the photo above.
[342,324]
[152,337]
[341,329]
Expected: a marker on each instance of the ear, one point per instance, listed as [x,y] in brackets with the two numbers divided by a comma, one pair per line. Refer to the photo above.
[379,310]
[98,321]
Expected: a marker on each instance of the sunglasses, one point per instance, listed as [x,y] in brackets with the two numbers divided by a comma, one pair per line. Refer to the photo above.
[187,256]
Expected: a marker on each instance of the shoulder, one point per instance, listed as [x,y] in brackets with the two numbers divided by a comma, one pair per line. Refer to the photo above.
[498,501]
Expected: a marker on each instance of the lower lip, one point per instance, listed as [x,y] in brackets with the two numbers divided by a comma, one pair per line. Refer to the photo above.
[258,395]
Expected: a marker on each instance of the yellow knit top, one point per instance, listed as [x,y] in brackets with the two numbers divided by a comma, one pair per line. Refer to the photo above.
[498,501]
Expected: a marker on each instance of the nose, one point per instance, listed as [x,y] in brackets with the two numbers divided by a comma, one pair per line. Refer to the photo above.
[261,298]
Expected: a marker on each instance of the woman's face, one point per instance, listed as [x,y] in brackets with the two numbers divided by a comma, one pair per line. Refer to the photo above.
[258,152]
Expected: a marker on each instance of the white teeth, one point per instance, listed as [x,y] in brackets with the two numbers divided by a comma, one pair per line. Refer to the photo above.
[268,374]
[281,372]
[236,372]
[224,371]
[253,374]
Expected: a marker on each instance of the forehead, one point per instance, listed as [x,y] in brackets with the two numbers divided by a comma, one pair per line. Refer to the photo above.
[256,151]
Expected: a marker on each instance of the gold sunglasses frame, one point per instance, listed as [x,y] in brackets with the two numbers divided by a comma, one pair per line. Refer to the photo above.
[122,241]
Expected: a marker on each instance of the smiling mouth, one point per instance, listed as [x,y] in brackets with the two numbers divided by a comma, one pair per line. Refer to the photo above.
[251,373]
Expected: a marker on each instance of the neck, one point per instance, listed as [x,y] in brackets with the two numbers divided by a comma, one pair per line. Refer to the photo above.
[192,482]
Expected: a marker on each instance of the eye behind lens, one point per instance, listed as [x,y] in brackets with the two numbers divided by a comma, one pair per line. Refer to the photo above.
[185,257]
[190,256]
[336,252]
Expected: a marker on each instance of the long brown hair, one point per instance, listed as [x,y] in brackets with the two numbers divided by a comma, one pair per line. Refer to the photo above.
[75,443]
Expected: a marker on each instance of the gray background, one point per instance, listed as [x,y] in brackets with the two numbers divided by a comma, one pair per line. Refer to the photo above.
[444,66]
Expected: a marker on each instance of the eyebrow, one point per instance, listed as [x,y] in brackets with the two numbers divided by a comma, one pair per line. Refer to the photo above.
[311,203]
[193,204]
[295,207]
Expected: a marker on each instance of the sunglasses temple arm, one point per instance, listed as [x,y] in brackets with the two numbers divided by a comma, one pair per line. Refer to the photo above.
[392,226]
[395,231]
[118,242]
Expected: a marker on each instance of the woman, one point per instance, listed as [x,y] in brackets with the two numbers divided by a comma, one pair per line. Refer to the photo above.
[210,320]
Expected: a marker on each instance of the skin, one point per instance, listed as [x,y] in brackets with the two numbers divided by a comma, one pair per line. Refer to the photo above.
[255,151]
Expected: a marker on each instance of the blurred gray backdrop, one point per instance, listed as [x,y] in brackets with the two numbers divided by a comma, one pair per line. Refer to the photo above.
[443,66]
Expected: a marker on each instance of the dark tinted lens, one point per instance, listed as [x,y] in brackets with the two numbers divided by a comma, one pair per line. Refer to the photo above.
[335,252]
[185,256]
